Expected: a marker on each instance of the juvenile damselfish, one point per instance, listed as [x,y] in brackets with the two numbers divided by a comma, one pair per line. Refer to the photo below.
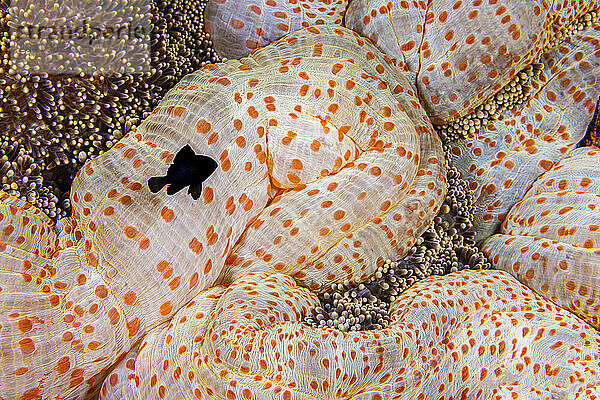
[187,169]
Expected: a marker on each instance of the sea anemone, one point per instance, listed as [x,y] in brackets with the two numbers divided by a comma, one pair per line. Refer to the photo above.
[334,162]
[328,174]
[446,246]
[476,333]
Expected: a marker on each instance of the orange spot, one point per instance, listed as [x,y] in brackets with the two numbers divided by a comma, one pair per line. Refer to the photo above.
[130,298]
[125,200]
[213,138]
[240,141]
[326,204]
[127,154]
[236,23]
[296,164]
[94,345]
[208,266]
[376,171]
[166,308]
[32,394]
[27,346]
[585,182]
[237,124]
[101,291]
[564,210]
[9,229]
[226,165]
[315,145]
[202,126]
[25,325]
[194,280]
[174,284]
[130,232]
[167,214]
[144,243]
[252,112]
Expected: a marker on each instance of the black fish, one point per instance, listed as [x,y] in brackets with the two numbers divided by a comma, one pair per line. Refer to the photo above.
[187,169]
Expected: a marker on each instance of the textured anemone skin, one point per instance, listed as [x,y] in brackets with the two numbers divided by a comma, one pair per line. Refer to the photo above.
[508,154]
[91,280]
[549,240]
[461,52]
[239,26]
[356,179]
[475,334]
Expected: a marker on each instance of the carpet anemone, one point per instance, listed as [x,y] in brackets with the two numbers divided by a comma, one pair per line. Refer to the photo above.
[332,249]
[456,334]
[495,81]
[463,53]
[446,246]
[503,159]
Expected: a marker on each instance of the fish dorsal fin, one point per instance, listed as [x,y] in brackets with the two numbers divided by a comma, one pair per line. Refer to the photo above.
[184,153]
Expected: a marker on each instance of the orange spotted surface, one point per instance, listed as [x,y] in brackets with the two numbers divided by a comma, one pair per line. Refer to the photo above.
[239,26]
[460,55]
[550,240]
[461,52]
[472,335]
[507,155]
[327,166]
